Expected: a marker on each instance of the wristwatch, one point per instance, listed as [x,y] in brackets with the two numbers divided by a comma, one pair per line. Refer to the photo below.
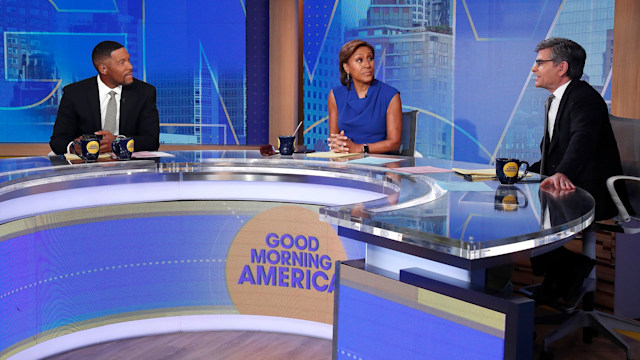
[365,149]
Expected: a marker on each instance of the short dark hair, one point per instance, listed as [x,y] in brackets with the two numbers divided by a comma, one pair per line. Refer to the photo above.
[345,53]
[566,50]
[103,50]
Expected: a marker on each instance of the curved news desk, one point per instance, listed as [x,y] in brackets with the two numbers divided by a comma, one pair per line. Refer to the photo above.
[233,240]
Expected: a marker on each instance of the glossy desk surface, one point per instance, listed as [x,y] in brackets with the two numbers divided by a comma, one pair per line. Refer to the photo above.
[426,215]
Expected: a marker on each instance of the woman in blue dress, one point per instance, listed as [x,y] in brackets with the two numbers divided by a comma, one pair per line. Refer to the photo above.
[365,114]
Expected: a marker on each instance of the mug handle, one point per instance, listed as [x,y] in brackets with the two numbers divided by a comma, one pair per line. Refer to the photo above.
[73,148]
[524,196]
[526,170]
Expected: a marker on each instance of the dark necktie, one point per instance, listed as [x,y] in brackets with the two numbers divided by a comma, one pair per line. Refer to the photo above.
[545,136]
[110,117]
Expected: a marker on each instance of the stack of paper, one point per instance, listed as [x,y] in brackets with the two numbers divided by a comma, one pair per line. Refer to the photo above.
[480,174]
[476,174]
[71,157]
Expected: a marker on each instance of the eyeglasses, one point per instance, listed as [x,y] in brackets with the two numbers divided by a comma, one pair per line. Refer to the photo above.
[540,62]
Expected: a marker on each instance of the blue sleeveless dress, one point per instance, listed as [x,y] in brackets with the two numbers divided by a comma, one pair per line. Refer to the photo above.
[364,120]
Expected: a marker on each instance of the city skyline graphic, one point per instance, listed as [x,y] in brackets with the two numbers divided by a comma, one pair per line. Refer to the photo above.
[463,64]
[467,73]
[200,82]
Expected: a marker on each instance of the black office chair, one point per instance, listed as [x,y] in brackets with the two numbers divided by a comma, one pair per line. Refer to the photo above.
[408,145]
[587,317]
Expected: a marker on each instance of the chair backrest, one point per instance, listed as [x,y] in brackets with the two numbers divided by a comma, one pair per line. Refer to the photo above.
[408,145]
[627,133]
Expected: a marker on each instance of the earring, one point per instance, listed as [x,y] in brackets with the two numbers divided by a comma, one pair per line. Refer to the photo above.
[348,76]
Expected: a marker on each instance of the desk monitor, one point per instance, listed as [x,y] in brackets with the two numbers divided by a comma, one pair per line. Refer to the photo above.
[420,317]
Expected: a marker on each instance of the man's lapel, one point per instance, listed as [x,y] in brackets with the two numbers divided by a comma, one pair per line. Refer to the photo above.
[127,99]
[94,105]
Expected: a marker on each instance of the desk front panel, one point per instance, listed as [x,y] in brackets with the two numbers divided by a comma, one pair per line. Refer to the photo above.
[74,270]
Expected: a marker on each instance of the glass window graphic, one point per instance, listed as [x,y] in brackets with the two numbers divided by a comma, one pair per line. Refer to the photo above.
[465,65]
[403,36]
[174,45]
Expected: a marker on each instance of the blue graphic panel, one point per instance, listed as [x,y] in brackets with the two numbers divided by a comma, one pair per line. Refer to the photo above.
[150,265]
[56,278]
[192,51]
[368,328]
[413,52]
[465,65]
[494,53]
[86,6]
[196,56]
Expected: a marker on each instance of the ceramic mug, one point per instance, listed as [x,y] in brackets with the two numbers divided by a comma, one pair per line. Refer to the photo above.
[507,170]
[122,147]
[89,147]
[286,145]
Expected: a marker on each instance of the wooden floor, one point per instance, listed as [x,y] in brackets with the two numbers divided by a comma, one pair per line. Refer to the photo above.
[267,346]
[572,347]
[208,345]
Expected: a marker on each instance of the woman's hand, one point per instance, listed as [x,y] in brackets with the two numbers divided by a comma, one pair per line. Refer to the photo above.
[339,143]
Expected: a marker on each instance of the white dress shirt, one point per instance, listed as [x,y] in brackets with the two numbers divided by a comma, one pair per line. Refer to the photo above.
[553,113]
[103,93]
[555,104]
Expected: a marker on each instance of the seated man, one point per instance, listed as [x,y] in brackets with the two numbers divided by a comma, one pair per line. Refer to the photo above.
[113,103]
[578,149]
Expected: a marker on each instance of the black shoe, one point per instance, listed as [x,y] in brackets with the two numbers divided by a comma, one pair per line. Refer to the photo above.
[581,267]
[549,290]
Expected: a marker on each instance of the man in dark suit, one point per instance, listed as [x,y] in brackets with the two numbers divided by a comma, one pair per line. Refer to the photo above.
[578,149]
[113,103]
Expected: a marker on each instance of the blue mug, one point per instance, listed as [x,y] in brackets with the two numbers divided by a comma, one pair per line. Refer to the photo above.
[286,145]
[122,147]
[89,147]
[508,170]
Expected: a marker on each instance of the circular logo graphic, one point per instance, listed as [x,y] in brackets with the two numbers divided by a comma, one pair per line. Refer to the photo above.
[282,263]
[130,145]
[93,147]
[510,169]
[510,202]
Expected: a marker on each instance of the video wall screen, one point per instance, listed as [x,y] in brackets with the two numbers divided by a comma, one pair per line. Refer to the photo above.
[419,317]
[465,65]
[192,51]
[67,271]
